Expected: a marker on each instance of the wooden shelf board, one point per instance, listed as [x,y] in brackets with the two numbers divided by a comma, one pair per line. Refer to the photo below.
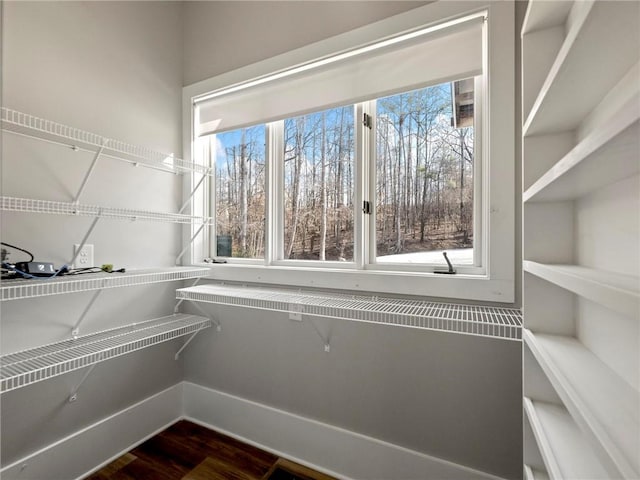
[615,291]
[609,154]
[603,405]
[577,82]
[565,452]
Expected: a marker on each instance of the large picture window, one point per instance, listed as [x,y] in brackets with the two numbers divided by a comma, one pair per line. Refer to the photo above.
[365,158]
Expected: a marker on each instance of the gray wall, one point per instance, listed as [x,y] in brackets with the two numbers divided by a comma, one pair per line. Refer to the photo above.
[114,68]
[222,36]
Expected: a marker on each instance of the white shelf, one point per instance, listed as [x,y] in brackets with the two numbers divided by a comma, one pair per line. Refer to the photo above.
[585,70]
[484,321]
[609,154]
[615,291]
[38,364]
[16,289]
[533,474]
[543,15]
[28,125]
[31,205]
[564,451]
[603,405]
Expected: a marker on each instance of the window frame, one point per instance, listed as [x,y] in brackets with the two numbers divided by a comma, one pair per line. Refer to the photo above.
[496,281]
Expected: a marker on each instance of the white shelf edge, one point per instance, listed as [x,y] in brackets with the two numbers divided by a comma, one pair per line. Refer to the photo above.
[532,474]
[543,15]
[564,432]
[34,365]
[31,205]
[493,322]
[617,292]
[571,382]
[565,50]
[581,36]
[584,150]
[25,124]
[17,289]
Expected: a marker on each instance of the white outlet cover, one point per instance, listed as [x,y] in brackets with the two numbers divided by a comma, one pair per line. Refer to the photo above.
[85,257]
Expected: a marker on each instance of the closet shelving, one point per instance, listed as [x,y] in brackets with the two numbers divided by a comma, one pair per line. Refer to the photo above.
[581,289]
[25,124]
[17,289]
[495,322]
[37,364]
[29,205]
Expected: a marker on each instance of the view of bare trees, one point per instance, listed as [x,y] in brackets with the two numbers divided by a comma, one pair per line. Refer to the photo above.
[424,184]
[319,185]
[240,192]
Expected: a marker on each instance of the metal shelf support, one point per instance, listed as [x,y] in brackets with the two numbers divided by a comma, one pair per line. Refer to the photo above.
[193,335]
[188,245]
[76,199]
[75,331]
[74,394]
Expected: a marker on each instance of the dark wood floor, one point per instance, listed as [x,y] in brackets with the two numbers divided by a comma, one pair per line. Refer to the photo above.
[186,451]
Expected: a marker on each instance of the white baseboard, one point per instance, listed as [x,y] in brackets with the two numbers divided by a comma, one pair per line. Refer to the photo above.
[87,450]
[315,444]
[332,450]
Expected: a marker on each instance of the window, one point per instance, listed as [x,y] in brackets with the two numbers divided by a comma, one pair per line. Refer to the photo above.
[319,186]
[374,160]
[424,181]
[239,194]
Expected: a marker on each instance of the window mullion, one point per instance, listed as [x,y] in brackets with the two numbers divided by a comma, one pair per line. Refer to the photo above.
[365,138]
[274,221]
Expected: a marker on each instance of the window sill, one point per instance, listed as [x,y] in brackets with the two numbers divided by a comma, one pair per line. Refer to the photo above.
[459,286]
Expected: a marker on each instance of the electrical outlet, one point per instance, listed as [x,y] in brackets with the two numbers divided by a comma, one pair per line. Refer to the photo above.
[85,257]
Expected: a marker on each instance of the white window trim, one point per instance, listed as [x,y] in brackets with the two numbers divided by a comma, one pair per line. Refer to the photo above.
[497,284]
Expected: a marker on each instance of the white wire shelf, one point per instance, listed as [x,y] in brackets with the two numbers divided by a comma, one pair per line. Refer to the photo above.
[37,364]
[35,127]
[496,322]
[31,205]
[16,289]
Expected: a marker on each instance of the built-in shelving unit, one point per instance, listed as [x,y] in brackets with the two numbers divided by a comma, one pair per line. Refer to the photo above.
[496,322]
[581,289]
[16,289]
[37,364]
[28,125]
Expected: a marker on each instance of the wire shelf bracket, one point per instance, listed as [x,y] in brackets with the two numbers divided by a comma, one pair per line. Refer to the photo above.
[188,245]
[478,320]
[296,312]
[74,393]
[75,330]
[85,180]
